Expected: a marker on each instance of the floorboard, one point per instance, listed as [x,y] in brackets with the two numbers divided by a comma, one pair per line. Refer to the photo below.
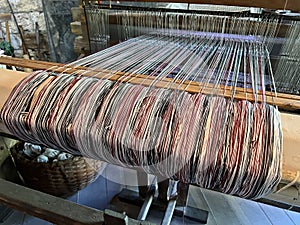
[16,218]
[276,215]
[94,195]
[224,209]
[251,211]
[294,216]
[29,220]
[197,200]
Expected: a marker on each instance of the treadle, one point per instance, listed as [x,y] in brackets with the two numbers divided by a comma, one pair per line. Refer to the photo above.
[133,198]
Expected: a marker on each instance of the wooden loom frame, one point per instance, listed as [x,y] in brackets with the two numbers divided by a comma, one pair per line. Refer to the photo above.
[8,79]
[55,210]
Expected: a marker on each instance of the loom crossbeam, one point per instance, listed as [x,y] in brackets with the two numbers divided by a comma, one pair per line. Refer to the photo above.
[285,102]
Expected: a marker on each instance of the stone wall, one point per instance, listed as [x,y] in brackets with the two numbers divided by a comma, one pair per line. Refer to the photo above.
[27,13]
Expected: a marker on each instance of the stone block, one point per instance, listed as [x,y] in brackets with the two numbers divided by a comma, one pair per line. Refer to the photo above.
[77,13]
[27,21]
[3,6]
[26,5]
[16,41]
[76,28]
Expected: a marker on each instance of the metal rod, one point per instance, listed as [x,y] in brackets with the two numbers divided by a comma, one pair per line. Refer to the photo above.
[169,212]
[147,204]
[172,199]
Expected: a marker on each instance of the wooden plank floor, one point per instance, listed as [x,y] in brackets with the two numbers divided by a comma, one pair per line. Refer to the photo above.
[223,209]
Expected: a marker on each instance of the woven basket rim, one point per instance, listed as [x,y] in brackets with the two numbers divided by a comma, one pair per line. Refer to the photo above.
[62,178]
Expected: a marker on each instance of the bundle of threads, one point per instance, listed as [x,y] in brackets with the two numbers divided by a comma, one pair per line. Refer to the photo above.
[231,146]
[44,155]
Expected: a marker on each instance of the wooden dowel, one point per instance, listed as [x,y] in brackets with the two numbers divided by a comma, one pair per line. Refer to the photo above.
[283,101]
[7,32]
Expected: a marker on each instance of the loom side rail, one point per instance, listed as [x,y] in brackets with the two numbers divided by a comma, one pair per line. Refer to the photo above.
[53,209]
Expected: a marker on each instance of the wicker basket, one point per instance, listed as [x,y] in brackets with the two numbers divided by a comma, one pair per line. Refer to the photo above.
[62,178]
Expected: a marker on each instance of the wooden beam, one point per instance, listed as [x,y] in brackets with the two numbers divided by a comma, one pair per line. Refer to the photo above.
[283,101]
[5,17]
[9,79]
[26,63]
[267,4]
[291,143]
[53,209]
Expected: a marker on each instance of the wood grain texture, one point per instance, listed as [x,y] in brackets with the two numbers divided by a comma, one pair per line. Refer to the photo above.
[47,207]
[291,143]
[5,17]
[295,217]
[276,215]
[29,220]
[268,4]
[76,28]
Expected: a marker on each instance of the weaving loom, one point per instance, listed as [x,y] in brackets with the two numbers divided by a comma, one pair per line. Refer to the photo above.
[186,96]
